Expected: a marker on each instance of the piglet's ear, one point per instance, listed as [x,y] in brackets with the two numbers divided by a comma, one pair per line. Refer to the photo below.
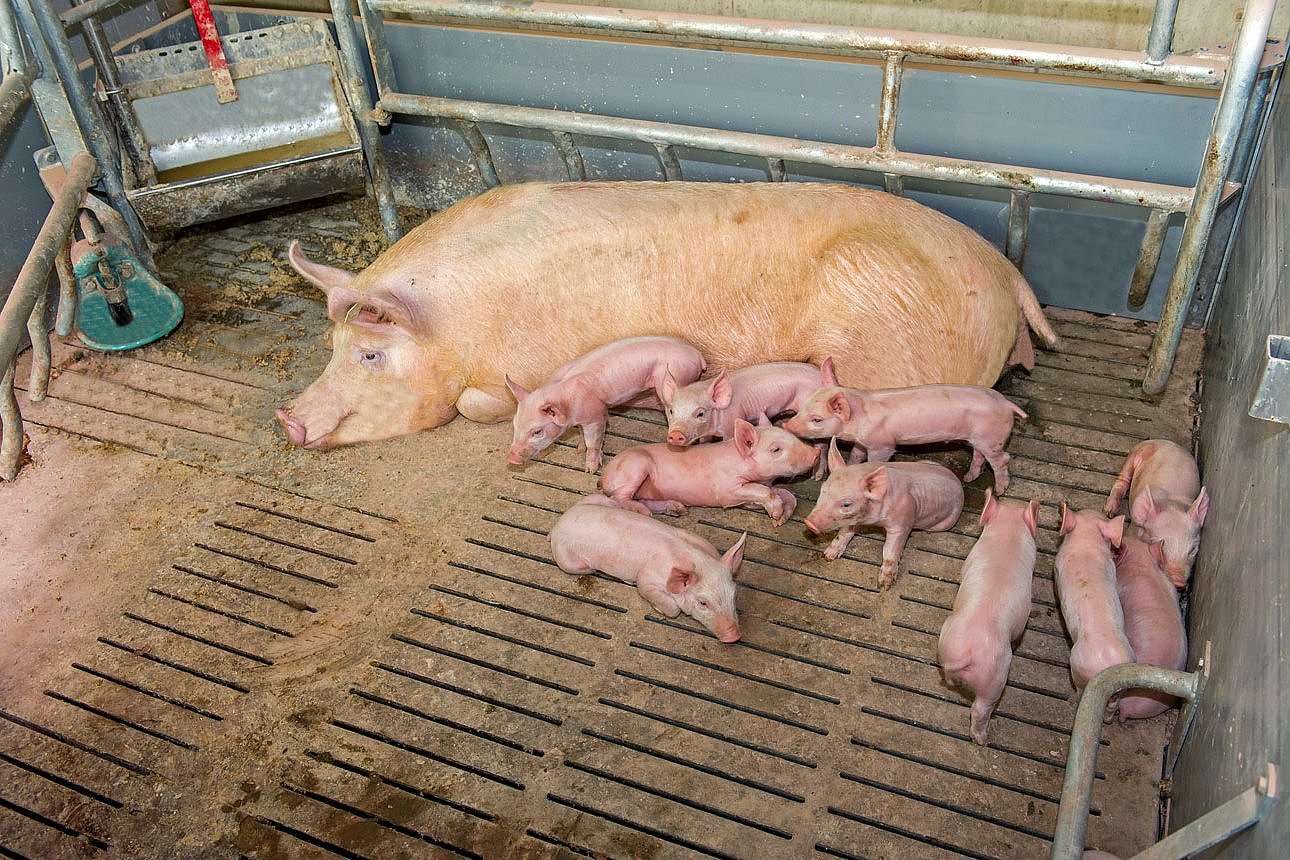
[1143,508]
[839,405]
[763,420]
[876,484]
[745,438]
[836,461]
[734,556]
[1157,549]
[519,392]
[827,374]
[1030,516]
[987,512]
[666,388]
[553,411]
[1068,521]
[720,391]
[679,580]
[1113,530]
[1199,508]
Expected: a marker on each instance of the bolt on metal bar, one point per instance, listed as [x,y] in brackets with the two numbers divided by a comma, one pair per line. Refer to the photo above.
[1127,65]
[39,15]
[378,48]
[361,104]
[27,291]
[1148,258]
[136,145]
[775,167]
[1081,756]
[573,163]
[1018,227]
[892,68]
[479,148]
[1105,189]
[1246,56]
[667,158]
[1160,39]
[1243,811]
[87,10]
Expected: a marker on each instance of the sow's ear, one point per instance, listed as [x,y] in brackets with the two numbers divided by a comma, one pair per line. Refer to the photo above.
[345,304]
[325,278]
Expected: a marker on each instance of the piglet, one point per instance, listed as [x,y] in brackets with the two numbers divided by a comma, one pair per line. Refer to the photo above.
[720,474]
[900,497]
[1084,575]
[1153,623]
[1166,500]
[878,421]
[580,393]
[675,570]
[711,407]
[992,606]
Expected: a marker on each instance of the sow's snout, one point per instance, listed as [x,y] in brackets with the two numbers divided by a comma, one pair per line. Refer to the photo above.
[298,433]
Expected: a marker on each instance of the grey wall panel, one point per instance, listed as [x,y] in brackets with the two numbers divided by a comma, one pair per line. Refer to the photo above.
[25,201]
[1241,588]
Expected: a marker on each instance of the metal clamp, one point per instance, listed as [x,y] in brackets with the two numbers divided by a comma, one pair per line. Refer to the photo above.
[1272,397]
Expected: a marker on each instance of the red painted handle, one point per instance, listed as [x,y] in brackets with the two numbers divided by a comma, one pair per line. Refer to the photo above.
[225,91]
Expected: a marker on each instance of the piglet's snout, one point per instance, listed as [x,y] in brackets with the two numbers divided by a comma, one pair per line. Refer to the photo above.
[676,437]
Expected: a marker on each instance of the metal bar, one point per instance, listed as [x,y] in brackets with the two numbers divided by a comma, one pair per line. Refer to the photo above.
[892,67]
[28,288]
[478,146]
[46,91]
[86,10]
[573,163]
[1018,227]
[10,428]
[13,92]
[13,59]
[893,183]
[1183,725]
[65,317]
[38,334]
[667,158]
[1161,38]
[1129,65]
[1148,258]
[1106,189]
[1245,810]
[136,146]
[1081,756]
[775,167]
[378,48]
[38,14]
[1250,125]
[361,104]
[1246,56]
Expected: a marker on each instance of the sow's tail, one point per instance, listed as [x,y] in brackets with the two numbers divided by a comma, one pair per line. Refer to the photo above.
[1032,317]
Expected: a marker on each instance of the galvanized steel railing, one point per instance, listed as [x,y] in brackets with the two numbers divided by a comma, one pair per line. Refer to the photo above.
[1235,74]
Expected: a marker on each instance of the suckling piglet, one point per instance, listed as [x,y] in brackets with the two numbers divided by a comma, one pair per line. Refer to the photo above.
[1166,500]
[719,474]
[991,607]
[899,497]
[675,570]
[580,393]
[1084,576]
[711,407]
[1153,622]
[878,421]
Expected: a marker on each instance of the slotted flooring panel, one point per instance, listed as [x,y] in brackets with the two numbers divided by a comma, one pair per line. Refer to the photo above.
[342,658]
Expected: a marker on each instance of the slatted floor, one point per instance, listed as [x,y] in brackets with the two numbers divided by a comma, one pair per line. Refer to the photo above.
[342,658]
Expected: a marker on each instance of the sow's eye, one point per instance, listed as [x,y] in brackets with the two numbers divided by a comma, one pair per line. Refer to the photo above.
[372,359]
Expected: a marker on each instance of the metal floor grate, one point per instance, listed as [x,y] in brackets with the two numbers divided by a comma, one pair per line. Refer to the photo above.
[310,678]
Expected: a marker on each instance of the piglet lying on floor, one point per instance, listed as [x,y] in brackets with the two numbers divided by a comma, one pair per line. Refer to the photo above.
[991,607]
[675,570]
[719,475]
[580,393]
[878,421]
[1166,500]
[1153,623]
[900,497]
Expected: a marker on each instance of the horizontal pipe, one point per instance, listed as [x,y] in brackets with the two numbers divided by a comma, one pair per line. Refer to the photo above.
[13,92]
[1122,65]
[1081,756]
[76,14]
[34,275]
[1169,197]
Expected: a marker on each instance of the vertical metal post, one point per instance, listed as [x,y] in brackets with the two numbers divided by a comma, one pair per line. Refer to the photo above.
[378,48]
[361,104]
[573,163]
[775,168]
[38,333]
[1018,227]
[894,183]
[478,146]
[135,145]
[65,317]
[667,158]
[38,16]
[10,427]
[13,64]
[892,69]
[1161,38]
[1148,258]
[1246,57]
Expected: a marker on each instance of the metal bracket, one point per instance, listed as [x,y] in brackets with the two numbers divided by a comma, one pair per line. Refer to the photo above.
[1243,811]
[1189,707]
[1272,398]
